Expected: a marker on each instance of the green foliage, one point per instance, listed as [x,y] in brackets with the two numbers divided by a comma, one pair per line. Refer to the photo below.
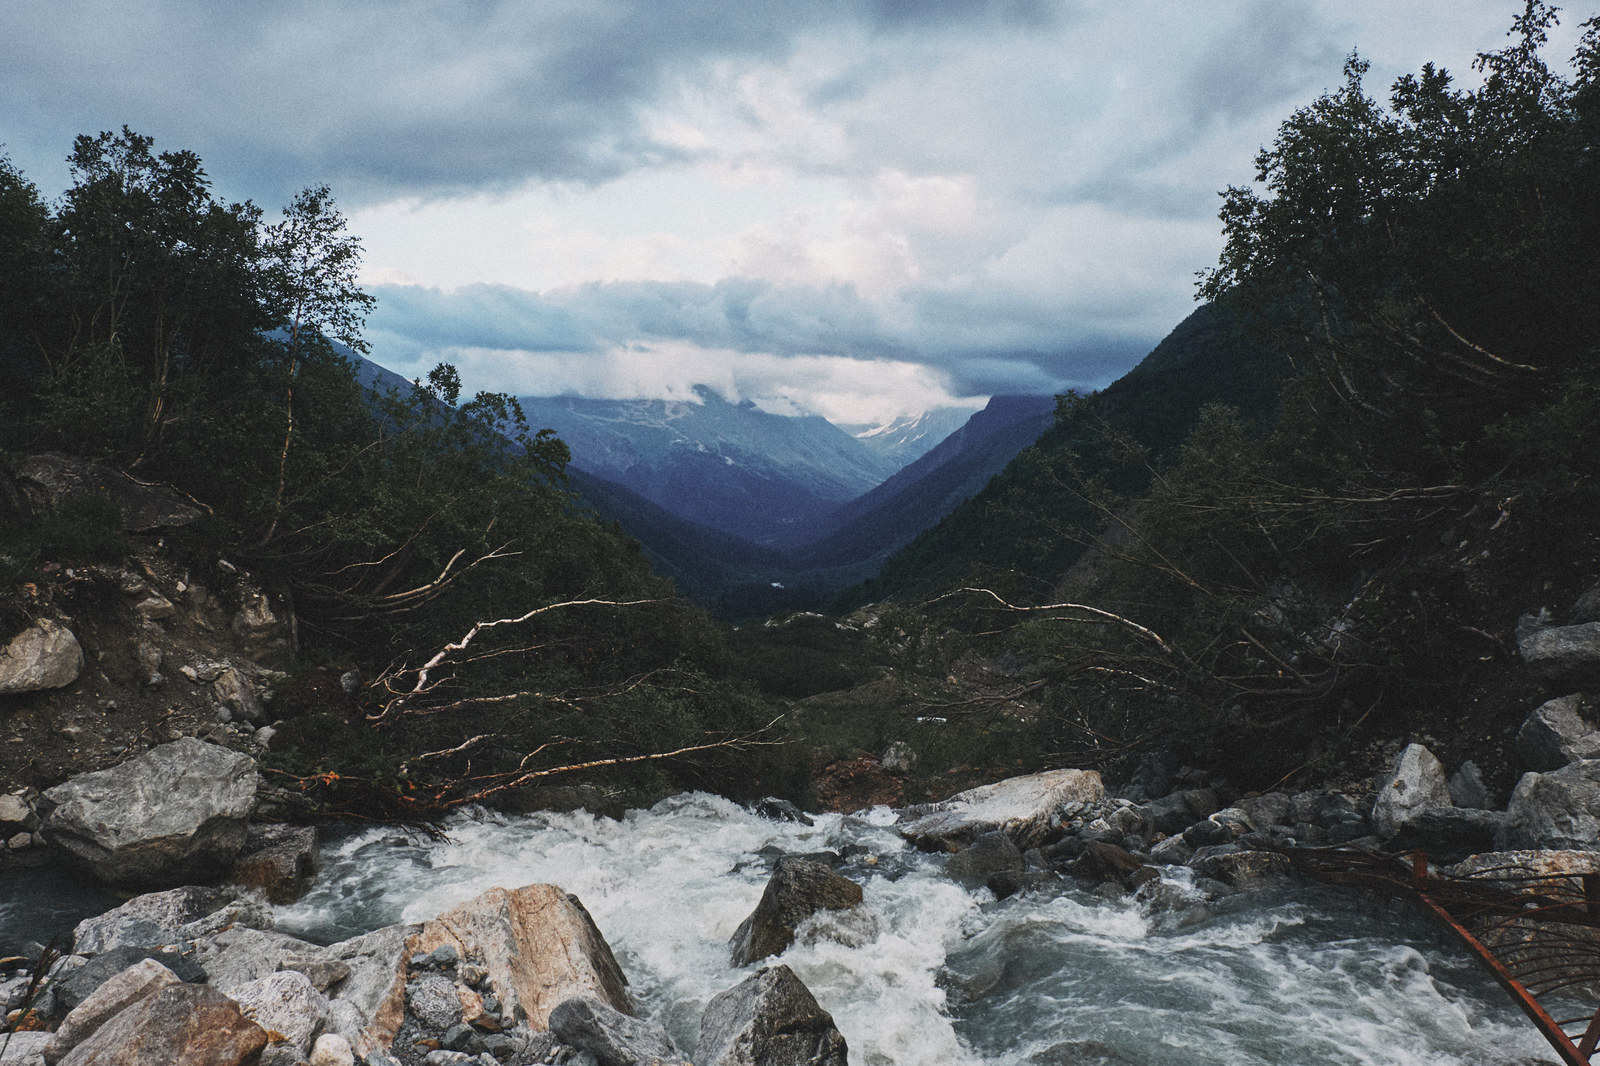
[427,536]
[76,534]
[802,655]
[1344,543]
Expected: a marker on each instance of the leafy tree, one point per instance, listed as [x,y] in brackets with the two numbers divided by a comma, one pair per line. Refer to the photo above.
[160,287]
[311,264]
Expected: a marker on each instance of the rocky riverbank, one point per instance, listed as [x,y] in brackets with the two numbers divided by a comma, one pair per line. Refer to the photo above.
[195,972]
[521,975]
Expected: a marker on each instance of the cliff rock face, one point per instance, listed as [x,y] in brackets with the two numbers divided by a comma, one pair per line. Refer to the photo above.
[797,889]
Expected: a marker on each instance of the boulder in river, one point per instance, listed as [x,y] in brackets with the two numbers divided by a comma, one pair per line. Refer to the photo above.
[153,918]
[614,1038]
[276,859]
[770,1019]
[1027,809]
[990,854]
[797,889]
[537,943]
[176,813]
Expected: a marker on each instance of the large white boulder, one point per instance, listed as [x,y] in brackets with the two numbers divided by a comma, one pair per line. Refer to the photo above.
[1025,808]
[176,813]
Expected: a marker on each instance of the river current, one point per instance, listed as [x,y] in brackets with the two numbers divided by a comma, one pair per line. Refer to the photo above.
[928,973]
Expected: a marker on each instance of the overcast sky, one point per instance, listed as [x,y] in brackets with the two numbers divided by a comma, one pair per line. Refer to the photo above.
[852,207]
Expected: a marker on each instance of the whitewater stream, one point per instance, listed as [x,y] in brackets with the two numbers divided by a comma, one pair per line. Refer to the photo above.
[928,973]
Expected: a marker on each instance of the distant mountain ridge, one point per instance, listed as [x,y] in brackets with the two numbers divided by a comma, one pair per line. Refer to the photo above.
[909,437]
[751,512]
[731,467]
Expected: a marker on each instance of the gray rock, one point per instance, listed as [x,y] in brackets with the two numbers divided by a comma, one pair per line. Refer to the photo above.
[1587,607]
[154,607]
[247,913]
[1243,868]
[1025,808]
[1175,813]
[175,813]
[331,1049]
[45,655]
[1223,827]
[1559,810]
[781,810]
[276,859]
[15,814]
[770,1019]
[283,1055]
[180,1024]
[52,480]
[990,854]
[153,918]
[1498,865]
[238,955]
[1007,883]
[1557,733]
[264,636]
[323,972]
[23,1049]
[1448,833]
[286,1005]
[1468,790]
[1554,653]
[432,1000]
[1416,782]
[77,986]
[141,979]
[376,963]
[1270,808]
[797,889]
[238,694]
[898,758]
[1173,851]
[613,1038]
[1134,824]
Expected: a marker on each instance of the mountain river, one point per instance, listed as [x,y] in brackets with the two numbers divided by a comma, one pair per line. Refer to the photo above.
[932,974]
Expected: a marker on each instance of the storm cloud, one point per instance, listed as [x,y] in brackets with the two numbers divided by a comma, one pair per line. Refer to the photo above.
[856,207]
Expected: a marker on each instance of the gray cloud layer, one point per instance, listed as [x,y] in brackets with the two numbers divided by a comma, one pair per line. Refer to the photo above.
[382,98]
[1014,194]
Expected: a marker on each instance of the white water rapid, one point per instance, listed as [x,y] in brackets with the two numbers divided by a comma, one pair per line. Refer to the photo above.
[927,973]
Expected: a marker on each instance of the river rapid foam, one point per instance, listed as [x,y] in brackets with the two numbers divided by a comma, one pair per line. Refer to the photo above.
[927,973]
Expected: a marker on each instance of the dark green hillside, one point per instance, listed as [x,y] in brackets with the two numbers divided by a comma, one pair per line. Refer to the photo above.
[1319,509]
[157,329]
[1025,527]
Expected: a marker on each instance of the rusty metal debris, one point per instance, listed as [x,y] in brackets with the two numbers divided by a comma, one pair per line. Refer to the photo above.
[1538,932]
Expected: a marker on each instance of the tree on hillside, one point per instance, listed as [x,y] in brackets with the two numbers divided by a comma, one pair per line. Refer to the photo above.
[310,265]
[160,288]
[1356,553]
